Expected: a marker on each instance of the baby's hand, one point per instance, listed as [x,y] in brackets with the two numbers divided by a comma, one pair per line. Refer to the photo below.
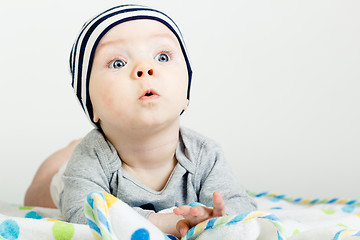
[194,215]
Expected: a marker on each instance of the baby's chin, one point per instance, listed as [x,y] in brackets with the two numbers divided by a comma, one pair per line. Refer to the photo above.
[144,123]
[158,121]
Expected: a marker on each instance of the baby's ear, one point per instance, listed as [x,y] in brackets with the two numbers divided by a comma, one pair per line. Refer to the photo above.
[95,118]
[186,104]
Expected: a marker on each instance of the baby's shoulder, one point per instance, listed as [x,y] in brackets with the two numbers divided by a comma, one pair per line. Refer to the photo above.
[93,136]
[94,146]
[195,139]
[197,146]
[95,140]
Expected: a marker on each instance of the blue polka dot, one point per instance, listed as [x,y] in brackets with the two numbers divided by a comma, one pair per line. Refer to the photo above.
[348,209]
[171,237]
[274,199]
[9,230]
[33,215]
[140,234]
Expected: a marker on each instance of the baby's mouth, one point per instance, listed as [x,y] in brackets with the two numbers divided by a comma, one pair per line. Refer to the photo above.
[149,95]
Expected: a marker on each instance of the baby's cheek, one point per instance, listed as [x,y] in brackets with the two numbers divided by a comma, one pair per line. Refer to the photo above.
[109,92]
[113,102]
[107,97]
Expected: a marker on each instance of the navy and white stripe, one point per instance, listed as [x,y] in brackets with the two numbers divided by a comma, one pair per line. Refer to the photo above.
[83,50]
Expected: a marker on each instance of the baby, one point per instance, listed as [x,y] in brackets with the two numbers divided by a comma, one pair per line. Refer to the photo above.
[131,74]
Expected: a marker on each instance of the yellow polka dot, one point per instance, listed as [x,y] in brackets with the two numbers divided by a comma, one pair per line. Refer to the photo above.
[110,199]
[52,220]
[305,201]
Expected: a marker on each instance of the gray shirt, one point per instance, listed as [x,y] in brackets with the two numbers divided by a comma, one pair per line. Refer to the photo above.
[200,171]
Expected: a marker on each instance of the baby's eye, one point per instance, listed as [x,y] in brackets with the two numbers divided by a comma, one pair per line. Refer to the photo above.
[117,64]
[162,57]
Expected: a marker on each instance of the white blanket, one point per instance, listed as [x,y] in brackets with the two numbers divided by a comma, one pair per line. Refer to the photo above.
[279,217]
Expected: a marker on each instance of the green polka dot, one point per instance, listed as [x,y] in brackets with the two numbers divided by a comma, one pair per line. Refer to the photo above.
[328,211]
[25,208]
[63,231]
[297,231]
[342,225]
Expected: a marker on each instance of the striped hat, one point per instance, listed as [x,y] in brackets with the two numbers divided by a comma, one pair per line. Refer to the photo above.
[83,50]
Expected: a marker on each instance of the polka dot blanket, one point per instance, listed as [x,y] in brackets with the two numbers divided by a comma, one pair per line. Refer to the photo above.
[279,217]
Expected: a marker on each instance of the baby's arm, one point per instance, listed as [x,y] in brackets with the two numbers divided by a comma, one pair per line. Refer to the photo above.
[216,175]
[195,215]
[166,222]
[84,174]
[77,185]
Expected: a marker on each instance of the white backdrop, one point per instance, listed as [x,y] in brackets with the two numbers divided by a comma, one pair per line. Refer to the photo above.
[276,83]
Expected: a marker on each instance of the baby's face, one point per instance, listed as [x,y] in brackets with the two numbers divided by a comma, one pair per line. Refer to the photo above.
[139,76]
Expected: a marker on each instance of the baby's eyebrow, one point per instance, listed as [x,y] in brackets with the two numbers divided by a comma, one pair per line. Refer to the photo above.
[163,35]
[167,37]
[110,42]
[152,36]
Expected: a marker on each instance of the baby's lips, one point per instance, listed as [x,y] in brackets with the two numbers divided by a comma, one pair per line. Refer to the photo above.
[149,94]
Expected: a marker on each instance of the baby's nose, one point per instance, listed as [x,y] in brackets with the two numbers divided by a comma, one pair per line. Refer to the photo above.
[143,70]
[140,73]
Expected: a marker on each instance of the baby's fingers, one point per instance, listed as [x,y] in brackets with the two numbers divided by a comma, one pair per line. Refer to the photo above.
[219,205]
[183,227]
[182,210]
[200,212]
[192,213]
